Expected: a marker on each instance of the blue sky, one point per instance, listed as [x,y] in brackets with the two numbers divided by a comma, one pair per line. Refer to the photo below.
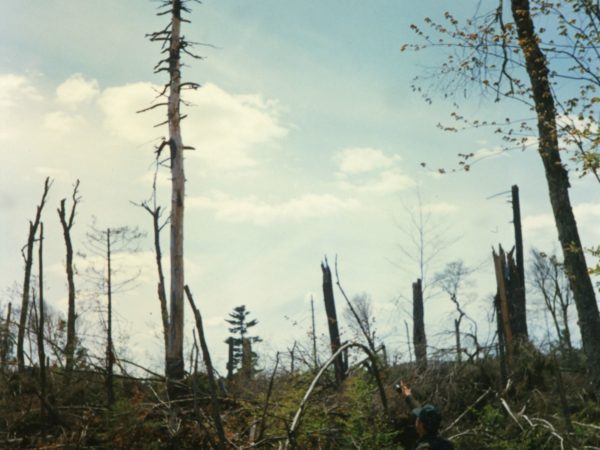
[308,143]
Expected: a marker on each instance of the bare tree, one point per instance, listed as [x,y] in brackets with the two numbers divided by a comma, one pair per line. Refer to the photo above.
[158,224]
[67,224]
[362,320]
[549,279]
[451,280]
[28,257]
[105,244]
[40,322]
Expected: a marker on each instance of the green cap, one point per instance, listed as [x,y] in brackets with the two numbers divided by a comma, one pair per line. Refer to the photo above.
[429,416]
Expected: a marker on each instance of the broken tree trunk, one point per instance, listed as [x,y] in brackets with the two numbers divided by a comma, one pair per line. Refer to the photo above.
[33,226]
[67,224]
[334,333]
[519,300]
[511,301]
[500,267]
[419,337]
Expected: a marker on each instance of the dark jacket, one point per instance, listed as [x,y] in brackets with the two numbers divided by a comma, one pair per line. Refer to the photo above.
[432,442]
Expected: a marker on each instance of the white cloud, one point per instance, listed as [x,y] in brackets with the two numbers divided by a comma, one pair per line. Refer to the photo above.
[260,212]
[369,170]
[224,128]
[61,122]
[538,222]
[15,88]
[119,105]
[76,90]
[363,159]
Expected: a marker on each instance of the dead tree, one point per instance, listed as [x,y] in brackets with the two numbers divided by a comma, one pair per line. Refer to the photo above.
[230,357]
[67,224]
[519,300]
[419,337]
[40,323]
[174,44]
[110,355]
[155,212]
[548,277]
[106,244]
[28,257]
[451,281]
[510,301]
[5,344]
[332,322]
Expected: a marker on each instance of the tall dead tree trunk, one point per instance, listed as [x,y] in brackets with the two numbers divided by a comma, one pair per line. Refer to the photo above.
[419,337]
[174,359]
[110,356]
[67,224]
[536,65]
[5,344]
[334,333]
[28,256]
[519,301]
[40,324]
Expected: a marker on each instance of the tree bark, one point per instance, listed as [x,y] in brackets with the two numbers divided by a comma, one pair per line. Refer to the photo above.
[519,300]
[558,185]
[110,357]
[67,224]
[33,226]
[334,333]
[4,350]
[174,359]
[419,337]
[40,324]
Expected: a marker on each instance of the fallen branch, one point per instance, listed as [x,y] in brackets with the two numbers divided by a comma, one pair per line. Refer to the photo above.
[216,410]
[481,397]
[313,384]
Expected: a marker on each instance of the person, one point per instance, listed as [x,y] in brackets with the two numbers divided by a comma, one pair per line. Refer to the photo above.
[427,422]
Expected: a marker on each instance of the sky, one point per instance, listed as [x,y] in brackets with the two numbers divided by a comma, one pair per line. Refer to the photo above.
[308,144]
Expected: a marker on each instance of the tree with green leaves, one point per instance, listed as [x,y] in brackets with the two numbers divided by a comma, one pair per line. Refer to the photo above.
[240,325]
[544,55]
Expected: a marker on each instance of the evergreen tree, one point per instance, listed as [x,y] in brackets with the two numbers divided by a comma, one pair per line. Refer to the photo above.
[238,319]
